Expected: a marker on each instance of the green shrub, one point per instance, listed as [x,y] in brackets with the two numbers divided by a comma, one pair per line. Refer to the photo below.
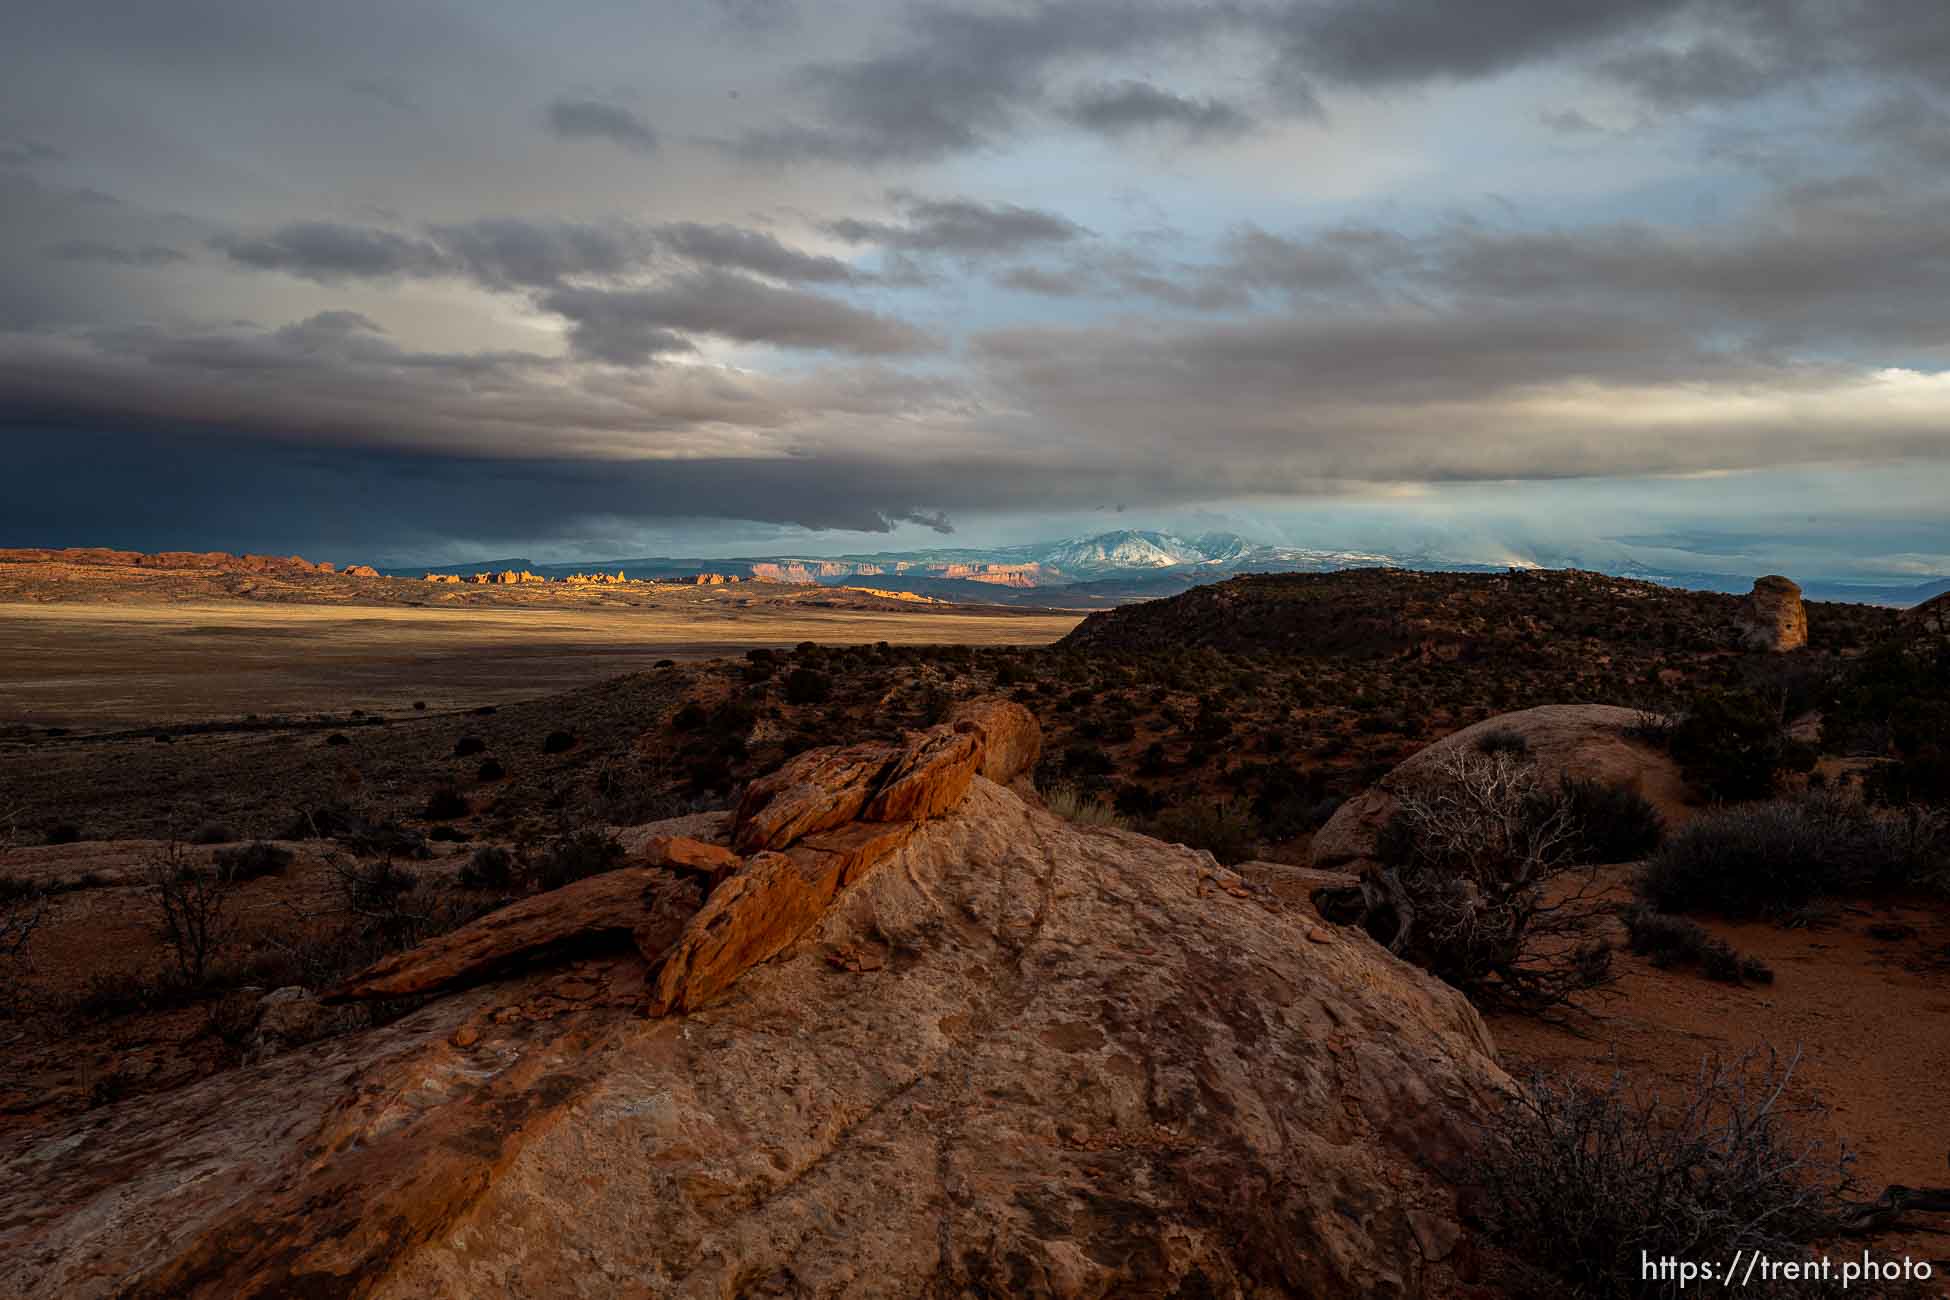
[468,746]
[1503,740]
[1773,858]
[807,686]
[575,856]
[1217,826]
[558,742]
[445,804]
[1613,823]
[1731,746]
[490,867]
[1670,941]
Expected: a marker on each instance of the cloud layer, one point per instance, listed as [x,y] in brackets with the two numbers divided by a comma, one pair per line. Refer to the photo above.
[890,266]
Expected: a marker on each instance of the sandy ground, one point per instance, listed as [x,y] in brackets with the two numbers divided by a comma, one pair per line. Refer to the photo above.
[1870,1017]
[98,666]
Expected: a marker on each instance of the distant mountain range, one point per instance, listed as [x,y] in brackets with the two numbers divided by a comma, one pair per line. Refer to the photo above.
[1106,569]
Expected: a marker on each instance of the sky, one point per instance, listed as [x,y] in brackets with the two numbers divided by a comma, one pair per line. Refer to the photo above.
[1652,281]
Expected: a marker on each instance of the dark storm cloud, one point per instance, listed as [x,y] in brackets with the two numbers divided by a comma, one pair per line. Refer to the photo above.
[502,252]
[592,119]
[328,252]
[1122,107]
[95,250]
[28,153]
[633,325]
[933,519]
[1381,42]
[1706,73]
[506,253]
[963,77]
[1750,50]
[753,250]
[163,490]
[758,17]
[959,228]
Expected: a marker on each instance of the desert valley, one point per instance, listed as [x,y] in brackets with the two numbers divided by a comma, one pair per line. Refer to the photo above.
[1300,934]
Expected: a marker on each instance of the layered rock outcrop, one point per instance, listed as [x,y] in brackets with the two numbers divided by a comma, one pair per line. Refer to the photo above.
[1590,741]
[1772,617]
[983,1053]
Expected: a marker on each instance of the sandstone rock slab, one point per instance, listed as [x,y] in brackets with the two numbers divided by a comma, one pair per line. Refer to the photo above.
[615,902]
[813,791]
[763,909]
[928,777]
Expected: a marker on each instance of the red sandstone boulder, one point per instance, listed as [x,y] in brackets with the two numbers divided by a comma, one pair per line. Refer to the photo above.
[1772,617]
[684,854]
[814,791]
[1012,739]
[616,902]
[764,908]
[929,777]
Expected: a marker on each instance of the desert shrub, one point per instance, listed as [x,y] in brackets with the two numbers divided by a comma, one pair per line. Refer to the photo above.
[338,738]
[1769,859]
[1467,860]
[807,686]
[1218,826]
[445,804]
[1153,761]
[1503,740]
[1073,805]
[63,833]
[690,717]
[490,867]
[1731,745]
[251,861]
[575,856]
[1581,1182]
[558,742]
[1614,823]
[22,909]
[1670,941]
[1087,760]
[212,833]
[490,770]
[467,746]
[191,913]
[1212,722]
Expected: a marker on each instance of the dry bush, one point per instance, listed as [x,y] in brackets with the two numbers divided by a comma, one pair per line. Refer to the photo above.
[192,912]
[1078,808]
[1580,1182]
[1467,866]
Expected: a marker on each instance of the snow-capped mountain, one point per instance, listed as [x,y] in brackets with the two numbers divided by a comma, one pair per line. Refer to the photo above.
[1126,548]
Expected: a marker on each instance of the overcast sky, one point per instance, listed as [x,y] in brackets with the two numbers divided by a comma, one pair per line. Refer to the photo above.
[386,280]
